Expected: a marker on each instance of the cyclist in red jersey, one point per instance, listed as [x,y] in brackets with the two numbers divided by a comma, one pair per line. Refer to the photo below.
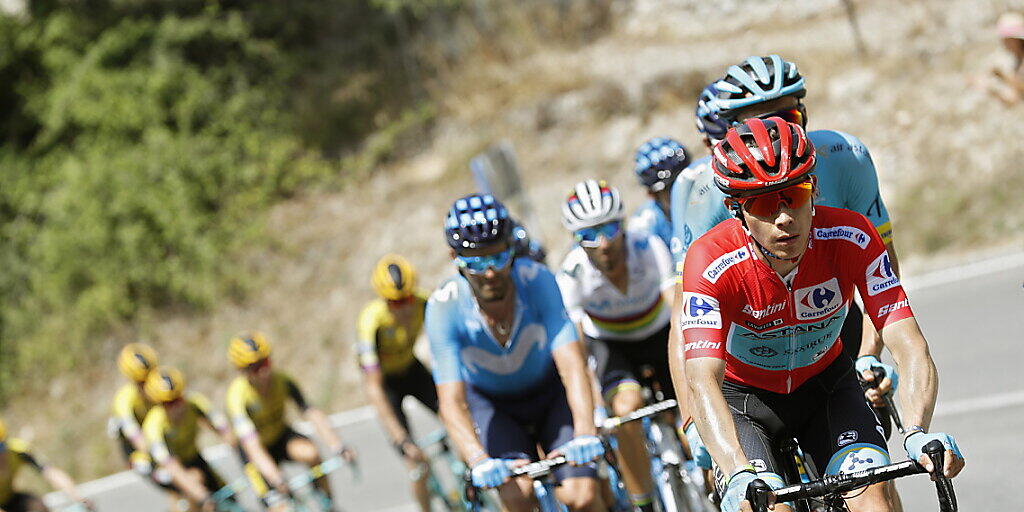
[764,298]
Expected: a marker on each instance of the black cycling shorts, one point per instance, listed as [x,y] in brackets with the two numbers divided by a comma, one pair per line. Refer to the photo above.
[853,329]
[20,502]
[617,362]
[827,415]
[278,450]
[211,480]
[416,382]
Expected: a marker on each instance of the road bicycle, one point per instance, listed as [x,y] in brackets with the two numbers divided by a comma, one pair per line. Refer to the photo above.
[826,494]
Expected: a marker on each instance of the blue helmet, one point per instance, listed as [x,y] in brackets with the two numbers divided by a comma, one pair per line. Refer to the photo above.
[477,220]
[659,161]
[756,80]
[709,124]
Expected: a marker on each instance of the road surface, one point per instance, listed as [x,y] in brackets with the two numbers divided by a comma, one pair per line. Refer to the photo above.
[973,317]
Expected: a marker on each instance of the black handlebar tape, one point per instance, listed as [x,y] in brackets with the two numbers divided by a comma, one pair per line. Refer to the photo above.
[947,497]
[757,495]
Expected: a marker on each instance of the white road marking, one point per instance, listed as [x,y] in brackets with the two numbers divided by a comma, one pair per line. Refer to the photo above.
[962,272]
[981,403]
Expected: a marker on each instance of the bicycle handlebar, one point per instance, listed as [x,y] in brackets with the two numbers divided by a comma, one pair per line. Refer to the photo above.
[641,413]
[758,492]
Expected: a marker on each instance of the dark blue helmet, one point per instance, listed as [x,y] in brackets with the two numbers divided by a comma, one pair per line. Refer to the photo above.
[659,161]
[477,220]
[709,124]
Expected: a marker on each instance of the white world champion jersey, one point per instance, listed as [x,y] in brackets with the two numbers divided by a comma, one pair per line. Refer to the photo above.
[602,309]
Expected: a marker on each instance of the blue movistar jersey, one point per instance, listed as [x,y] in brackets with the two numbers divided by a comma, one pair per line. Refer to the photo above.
[846,179]
[650,218]
[464,350]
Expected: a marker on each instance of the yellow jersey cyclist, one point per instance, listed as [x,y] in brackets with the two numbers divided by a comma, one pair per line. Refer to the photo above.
[387,332]
[14,455]
[256,402]
[171,428]
[136,361]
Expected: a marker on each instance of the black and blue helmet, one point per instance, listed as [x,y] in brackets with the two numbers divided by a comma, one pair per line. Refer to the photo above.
[709,124]
[659,161]
[477,220]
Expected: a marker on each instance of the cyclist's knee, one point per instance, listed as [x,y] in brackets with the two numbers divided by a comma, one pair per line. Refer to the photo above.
[580,494]
[514,499]
[626,400]
[303,451]
[857,457]
[873,499]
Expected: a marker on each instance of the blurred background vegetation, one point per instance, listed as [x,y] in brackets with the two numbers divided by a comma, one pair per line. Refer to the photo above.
[143,141]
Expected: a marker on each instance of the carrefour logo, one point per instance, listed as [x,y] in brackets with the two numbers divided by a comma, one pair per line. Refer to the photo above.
[819,300]
[849,233]
[700,310]
[720,265]
[880,276]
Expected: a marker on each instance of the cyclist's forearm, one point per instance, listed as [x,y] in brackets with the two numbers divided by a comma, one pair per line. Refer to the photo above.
[458,422]
[676,358]
[62,482]
[711,414]
[388,418]
[918,375]
[264,463]
[194,490]
[572,369]
[323,428]
[871,340]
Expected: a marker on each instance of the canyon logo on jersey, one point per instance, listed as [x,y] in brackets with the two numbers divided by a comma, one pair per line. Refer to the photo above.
[701,311]
[819,300]
[720,265]
[880,276]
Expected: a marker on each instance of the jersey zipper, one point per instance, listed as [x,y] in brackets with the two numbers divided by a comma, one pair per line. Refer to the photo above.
[790,298]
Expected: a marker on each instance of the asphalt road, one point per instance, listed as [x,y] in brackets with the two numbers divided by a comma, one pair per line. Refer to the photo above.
[972,316]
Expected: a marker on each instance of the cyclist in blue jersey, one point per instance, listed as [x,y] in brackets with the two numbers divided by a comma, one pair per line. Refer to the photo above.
[658,161]
[509,367]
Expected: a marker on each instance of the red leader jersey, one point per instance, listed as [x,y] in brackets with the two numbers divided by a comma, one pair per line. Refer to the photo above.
[773,335]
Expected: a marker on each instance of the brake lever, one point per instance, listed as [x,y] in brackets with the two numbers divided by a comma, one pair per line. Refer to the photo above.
[943,486]
[757,494]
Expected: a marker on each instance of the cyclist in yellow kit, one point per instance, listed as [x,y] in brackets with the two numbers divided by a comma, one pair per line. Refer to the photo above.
[256,402]
[171,428]
[14,455]
[387,332]
[131,405]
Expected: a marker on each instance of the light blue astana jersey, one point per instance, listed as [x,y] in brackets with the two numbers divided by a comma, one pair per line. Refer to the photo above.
[464,350]
[846,179]
[650,218]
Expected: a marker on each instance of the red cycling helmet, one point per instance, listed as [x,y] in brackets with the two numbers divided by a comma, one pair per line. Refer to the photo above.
[762,155]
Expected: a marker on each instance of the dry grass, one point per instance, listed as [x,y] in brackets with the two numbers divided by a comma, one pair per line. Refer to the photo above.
[947,157]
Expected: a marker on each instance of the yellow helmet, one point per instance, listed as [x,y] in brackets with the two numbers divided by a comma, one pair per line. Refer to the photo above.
[248,348]
[3,431]
[136,361]
[393,277]
[165,384]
